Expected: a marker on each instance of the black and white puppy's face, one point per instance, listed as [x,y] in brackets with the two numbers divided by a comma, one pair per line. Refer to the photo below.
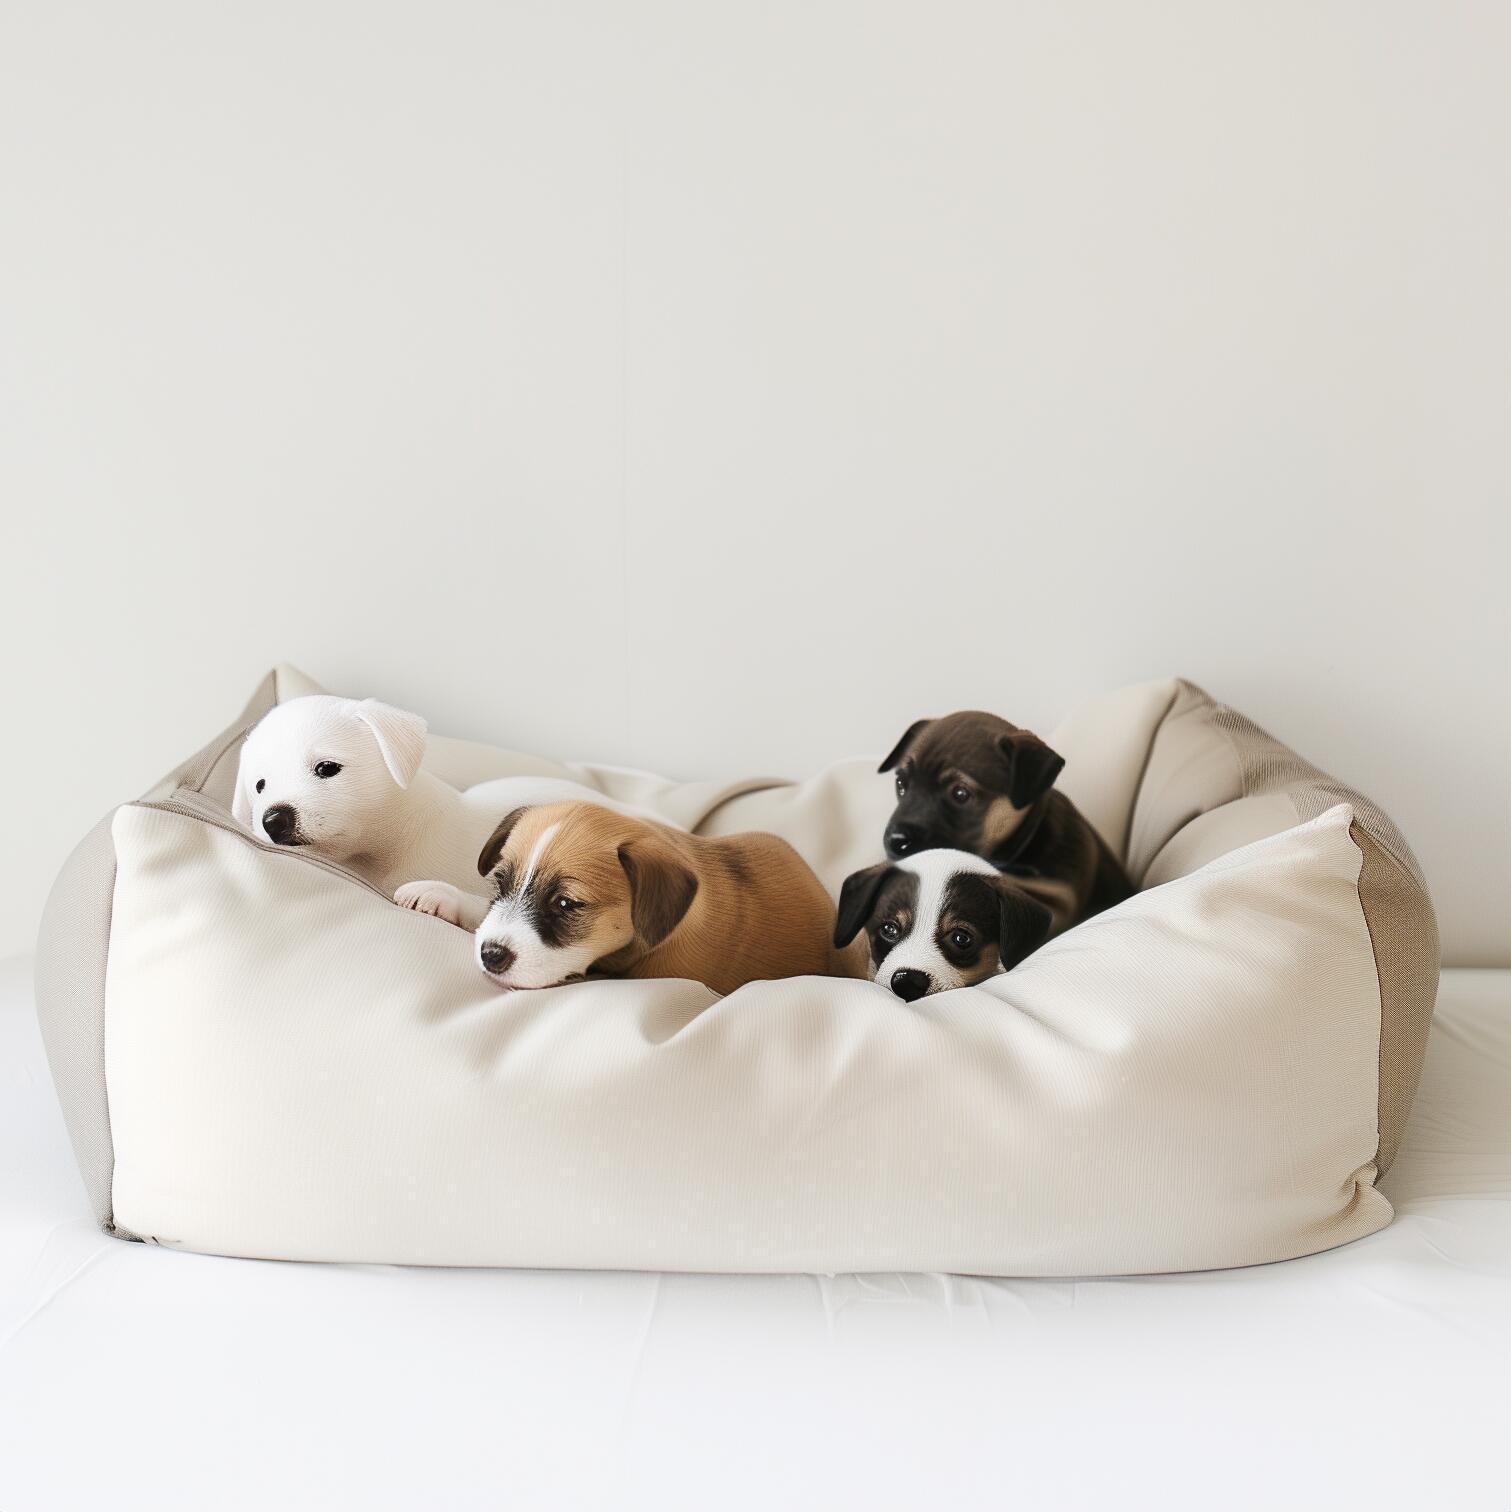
[965,782]
[940,920]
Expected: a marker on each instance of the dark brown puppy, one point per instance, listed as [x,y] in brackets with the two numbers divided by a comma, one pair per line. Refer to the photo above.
[974,782]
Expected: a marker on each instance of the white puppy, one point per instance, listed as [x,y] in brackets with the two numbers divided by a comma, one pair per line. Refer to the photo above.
[343,777]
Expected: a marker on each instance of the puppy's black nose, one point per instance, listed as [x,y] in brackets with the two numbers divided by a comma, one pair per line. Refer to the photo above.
[911,985]
[903,840]
[495,957]
[281,823]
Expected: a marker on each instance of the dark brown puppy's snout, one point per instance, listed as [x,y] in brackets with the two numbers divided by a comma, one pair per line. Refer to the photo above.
[903,840]
[495,957]
[281,823]
[911,985]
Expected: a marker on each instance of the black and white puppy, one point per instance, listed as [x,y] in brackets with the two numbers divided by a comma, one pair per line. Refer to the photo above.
[942,919]
[976,783]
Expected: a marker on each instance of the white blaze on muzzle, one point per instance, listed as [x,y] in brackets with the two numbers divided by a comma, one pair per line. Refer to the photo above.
[510,923]
[919,949]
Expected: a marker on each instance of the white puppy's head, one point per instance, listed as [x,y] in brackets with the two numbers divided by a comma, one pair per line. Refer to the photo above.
[327,772]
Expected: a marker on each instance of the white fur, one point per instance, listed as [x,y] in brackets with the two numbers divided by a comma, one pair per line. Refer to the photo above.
[443,901]
[533,860]
[400,736]
[508,923]
[383,815]
[920,950]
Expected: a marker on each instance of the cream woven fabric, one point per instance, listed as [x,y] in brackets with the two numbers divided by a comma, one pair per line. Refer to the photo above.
[293,1067]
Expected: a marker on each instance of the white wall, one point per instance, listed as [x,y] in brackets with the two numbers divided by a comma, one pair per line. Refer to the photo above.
[720,387]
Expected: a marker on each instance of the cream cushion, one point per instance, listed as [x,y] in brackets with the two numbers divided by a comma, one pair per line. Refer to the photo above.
[259,1055]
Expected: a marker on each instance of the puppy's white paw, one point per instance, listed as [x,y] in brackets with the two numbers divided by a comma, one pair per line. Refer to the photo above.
[438,898]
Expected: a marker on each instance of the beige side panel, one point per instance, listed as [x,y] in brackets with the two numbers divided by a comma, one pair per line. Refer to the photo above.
[1403,931]
[72,949]
[1216,779]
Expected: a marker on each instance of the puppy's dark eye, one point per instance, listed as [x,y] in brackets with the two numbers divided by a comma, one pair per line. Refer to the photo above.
[327,768]
[262,782]
[902,784]
[891,930]
[566,904]
[960,795]
[962,939]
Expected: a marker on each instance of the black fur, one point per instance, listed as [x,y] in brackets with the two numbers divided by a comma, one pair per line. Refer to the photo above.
[1024,922]
[857,896]
[493,848]
[1031,767]
[907,735]
[557,921]
[872,899]
[555,924]
[1001,923]
[950,771]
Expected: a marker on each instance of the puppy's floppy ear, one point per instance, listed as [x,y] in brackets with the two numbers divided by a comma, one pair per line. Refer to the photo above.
[900,749]
[856,898]
[487,858]
[662,888]
[1025,923]
[1031,766]
[400,736]
[241,797]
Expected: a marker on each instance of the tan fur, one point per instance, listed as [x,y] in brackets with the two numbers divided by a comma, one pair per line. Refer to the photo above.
[1063,897]
[999,822]
[759,911]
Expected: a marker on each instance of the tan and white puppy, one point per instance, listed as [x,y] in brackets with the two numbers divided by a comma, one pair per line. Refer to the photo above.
[580,889]
[342,777]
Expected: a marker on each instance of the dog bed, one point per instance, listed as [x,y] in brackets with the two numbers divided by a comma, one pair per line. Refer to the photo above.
[257,1054]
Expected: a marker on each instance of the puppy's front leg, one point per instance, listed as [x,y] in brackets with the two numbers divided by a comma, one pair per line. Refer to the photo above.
[445,902]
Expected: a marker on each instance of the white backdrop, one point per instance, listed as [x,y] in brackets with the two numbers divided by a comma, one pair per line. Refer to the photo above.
[712,388]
